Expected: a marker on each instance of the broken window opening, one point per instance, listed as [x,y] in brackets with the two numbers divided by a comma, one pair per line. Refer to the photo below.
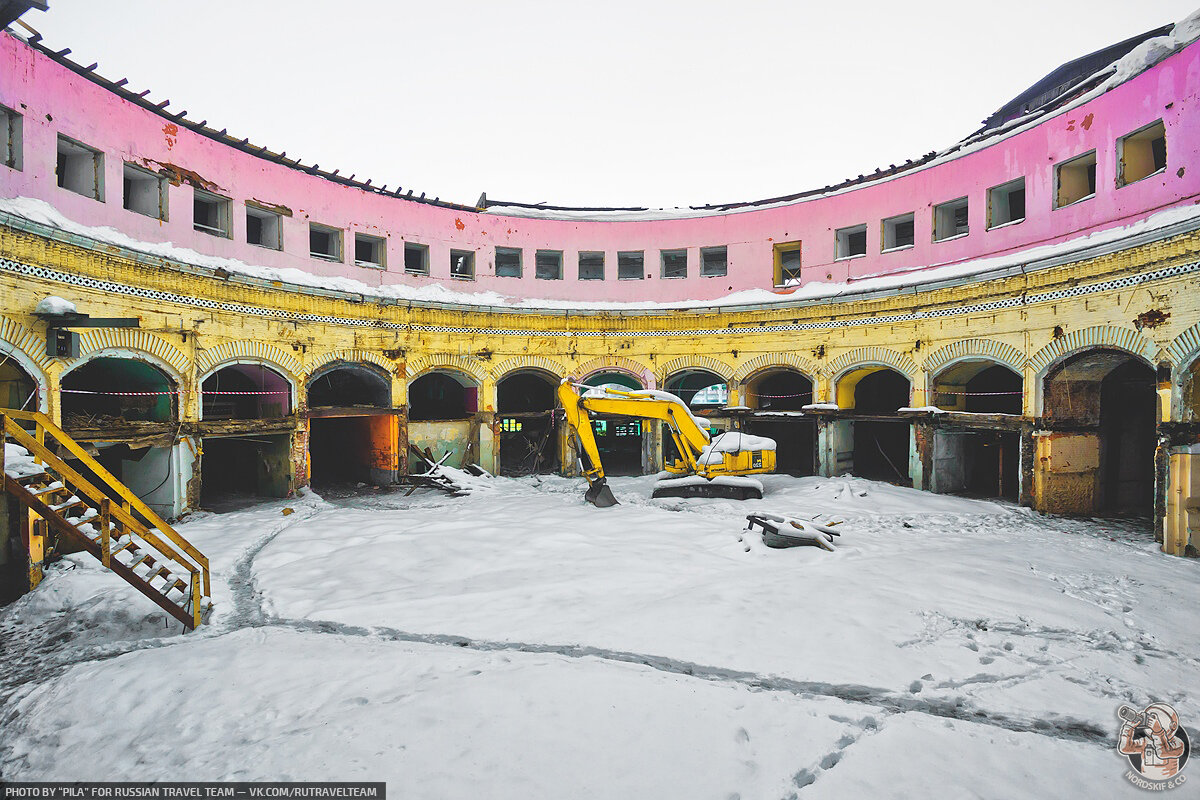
[631,265]
[787,263]
[324,242]
[108,382]
[1075,180]
[674,263]
[245,391]
[851,242]
[1142,153]
[416,258]
[145,192]
[714,262]
[591,266]
[898,232]
[264,228]
[1006,203]
[462,265]
[370,251]
[950,220]
[548,265]
[508,262]
[442,396]
[80,168]
[210,213]
[11,138]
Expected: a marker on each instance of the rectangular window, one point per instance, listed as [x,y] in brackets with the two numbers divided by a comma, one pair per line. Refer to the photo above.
[416,258]
[264,227]
[324,242]
[210,213]
[144,192]
[631,265]
[1075,180]
[462,265]
[851,242]
[80,168]
[591,266]
[1142,153]
[674,263]
[950,220]
[1006,203]
[787,263]
[10,137]
[714,262]
[370,251]
[508,262]
[898,232]
[548,265]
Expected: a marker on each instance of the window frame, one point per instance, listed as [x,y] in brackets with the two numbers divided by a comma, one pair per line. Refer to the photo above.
[1084,157]
[641,254]
[160,181]
[991,204]
[724,250]
[97,193]
[378,244]
[841,242]
[223,206]
[519,252]
[581,255]
[889,223]
[951,206]
[662,263]
[14,138]
[537,267]
[259,211]
[416,247]
[779,250]
[470,260]
[1121,166]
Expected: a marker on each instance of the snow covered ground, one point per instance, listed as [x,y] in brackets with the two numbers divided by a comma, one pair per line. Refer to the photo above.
[518,643]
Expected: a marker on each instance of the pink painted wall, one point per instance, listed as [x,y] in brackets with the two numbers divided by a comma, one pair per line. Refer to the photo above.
[54,100]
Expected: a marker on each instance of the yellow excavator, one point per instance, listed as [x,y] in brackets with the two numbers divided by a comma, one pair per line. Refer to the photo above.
[707,466]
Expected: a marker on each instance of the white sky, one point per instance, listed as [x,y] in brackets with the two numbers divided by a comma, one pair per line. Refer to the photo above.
[614,103]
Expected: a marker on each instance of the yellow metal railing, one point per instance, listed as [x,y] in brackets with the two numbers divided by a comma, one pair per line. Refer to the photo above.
[131,513]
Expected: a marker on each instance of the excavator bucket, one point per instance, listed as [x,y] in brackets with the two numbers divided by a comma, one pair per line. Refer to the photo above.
[599,495]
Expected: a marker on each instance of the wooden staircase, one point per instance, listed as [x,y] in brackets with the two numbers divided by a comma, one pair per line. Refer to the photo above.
[107,520]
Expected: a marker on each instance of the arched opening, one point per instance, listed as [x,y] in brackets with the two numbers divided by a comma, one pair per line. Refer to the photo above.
[1189,396]
[240,464]
[18,389]
[620,440]
[780,389]
[978,462]
[443,418]
[1102,405]
[699,388]
[112,390]
[245,391]
[777,397]
[345,385]
[874,443]
[122,409]
[528,437]
[353,432]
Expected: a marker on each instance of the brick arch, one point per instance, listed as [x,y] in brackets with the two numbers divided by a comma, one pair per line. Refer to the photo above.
[1185,348]
[285,362]
[319,360]
[1127,339]
[789,360]
[863,356]
[984,349]
[618,363]
[541,363]
[472,367]
[683,363]
[25,341]
[96,340]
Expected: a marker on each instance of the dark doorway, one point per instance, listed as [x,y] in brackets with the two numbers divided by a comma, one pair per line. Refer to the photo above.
[977,463]
[795,443]
[339,451]
[237,471]
[1127,439]
[528,434]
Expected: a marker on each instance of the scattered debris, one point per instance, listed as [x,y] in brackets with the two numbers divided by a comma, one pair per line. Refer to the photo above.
[780,532]
[455,482]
